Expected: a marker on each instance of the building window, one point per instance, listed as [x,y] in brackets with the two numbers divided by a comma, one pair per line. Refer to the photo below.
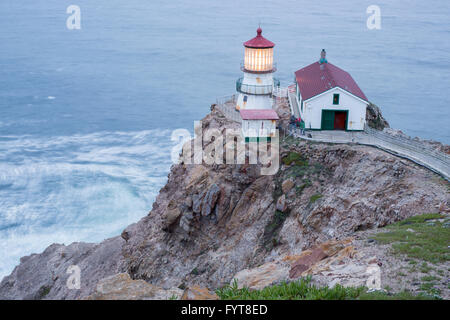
[336,98]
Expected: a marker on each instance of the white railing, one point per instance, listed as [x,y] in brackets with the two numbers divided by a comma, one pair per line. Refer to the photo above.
[227,105]
[227,99]
[408,143]
[417,151]
[280,92]
[293,101]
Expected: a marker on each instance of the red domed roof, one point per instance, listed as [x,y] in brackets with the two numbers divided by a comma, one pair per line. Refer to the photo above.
[259,41]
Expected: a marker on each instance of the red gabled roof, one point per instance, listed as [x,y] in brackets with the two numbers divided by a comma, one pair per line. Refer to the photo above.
[259,41]
[320,77]
[258,114]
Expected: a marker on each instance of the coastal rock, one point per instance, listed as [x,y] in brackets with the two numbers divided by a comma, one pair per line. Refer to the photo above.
[374,117]
[172,214]
[287,185]
[185,221]
[198,175]
[210,199]
[188,202]
[45,275]
[198,293]
[122,287]
[306,261]
[281,204]
[262,276]
[197,202]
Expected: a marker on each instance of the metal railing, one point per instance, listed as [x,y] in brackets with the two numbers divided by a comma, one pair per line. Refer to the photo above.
[293,101]
[280,92]
[227,105]
[417,151]
[230,99]
[256,89]
[408,143]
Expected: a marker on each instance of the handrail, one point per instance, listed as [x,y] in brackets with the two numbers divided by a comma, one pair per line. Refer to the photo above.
[255,89]
[227,105]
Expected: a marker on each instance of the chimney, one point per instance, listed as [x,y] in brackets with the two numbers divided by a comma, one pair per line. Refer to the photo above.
[323,57]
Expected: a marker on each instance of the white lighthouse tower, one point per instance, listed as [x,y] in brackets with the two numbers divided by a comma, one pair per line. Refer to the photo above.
[256,86]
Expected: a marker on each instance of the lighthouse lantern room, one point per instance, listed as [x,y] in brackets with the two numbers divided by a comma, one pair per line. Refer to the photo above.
[256,86]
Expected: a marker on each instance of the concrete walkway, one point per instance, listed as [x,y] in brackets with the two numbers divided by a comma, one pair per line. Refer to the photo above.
[293,102]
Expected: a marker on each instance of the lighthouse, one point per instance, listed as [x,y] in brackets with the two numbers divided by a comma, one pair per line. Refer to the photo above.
[256,86]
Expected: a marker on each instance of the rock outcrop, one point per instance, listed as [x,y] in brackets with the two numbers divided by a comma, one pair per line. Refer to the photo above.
[198,293]
[374,117]
[210,222]
[122,287]
[45,275]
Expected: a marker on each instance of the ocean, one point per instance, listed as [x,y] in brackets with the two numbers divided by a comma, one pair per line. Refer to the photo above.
[86,115]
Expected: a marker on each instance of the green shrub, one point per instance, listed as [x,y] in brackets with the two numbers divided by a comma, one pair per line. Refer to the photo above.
[314,198]
[296,158]
[302,289]
[271,230]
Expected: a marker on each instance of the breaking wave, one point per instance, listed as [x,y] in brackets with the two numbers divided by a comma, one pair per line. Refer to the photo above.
[76,188]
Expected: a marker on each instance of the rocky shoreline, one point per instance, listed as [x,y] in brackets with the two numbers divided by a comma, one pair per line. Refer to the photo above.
[211,224]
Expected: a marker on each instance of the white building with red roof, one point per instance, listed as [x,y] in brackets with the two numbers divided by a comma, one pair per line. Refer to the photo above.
[258,124]
[329,98]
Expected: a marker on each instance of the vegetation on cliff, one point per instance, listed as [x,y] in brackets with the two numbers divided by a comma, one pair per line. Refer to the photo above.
[303,289]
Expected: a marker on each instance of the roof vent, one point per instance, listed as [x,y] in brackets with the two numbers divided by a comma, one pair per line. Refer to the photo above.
[323,57]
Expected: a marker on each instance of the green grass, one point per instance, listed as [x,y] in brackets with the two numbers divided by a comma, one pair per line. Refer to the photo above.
[296,158]
[425,268]
[43,291]
[429,288]
[272,229]
[299,188]
[427,242]
[314,198]
[195,272]
[304,290]
[429,278]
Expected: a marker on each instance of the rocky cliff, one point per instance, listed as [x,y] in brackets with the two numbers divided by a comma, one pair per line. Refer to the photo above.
[210,222]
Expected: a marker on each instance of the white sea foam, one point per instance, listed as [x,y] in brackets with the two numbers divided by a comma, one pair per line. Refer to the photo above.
[76,188]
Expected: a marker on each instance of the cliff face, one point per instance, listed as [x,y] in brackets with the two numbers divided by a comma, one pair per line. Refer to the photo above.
[211,221]
[374,117]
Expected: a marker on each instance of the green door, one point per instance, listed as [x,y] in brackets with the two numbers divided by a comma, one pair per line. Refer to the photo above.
[327,120]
